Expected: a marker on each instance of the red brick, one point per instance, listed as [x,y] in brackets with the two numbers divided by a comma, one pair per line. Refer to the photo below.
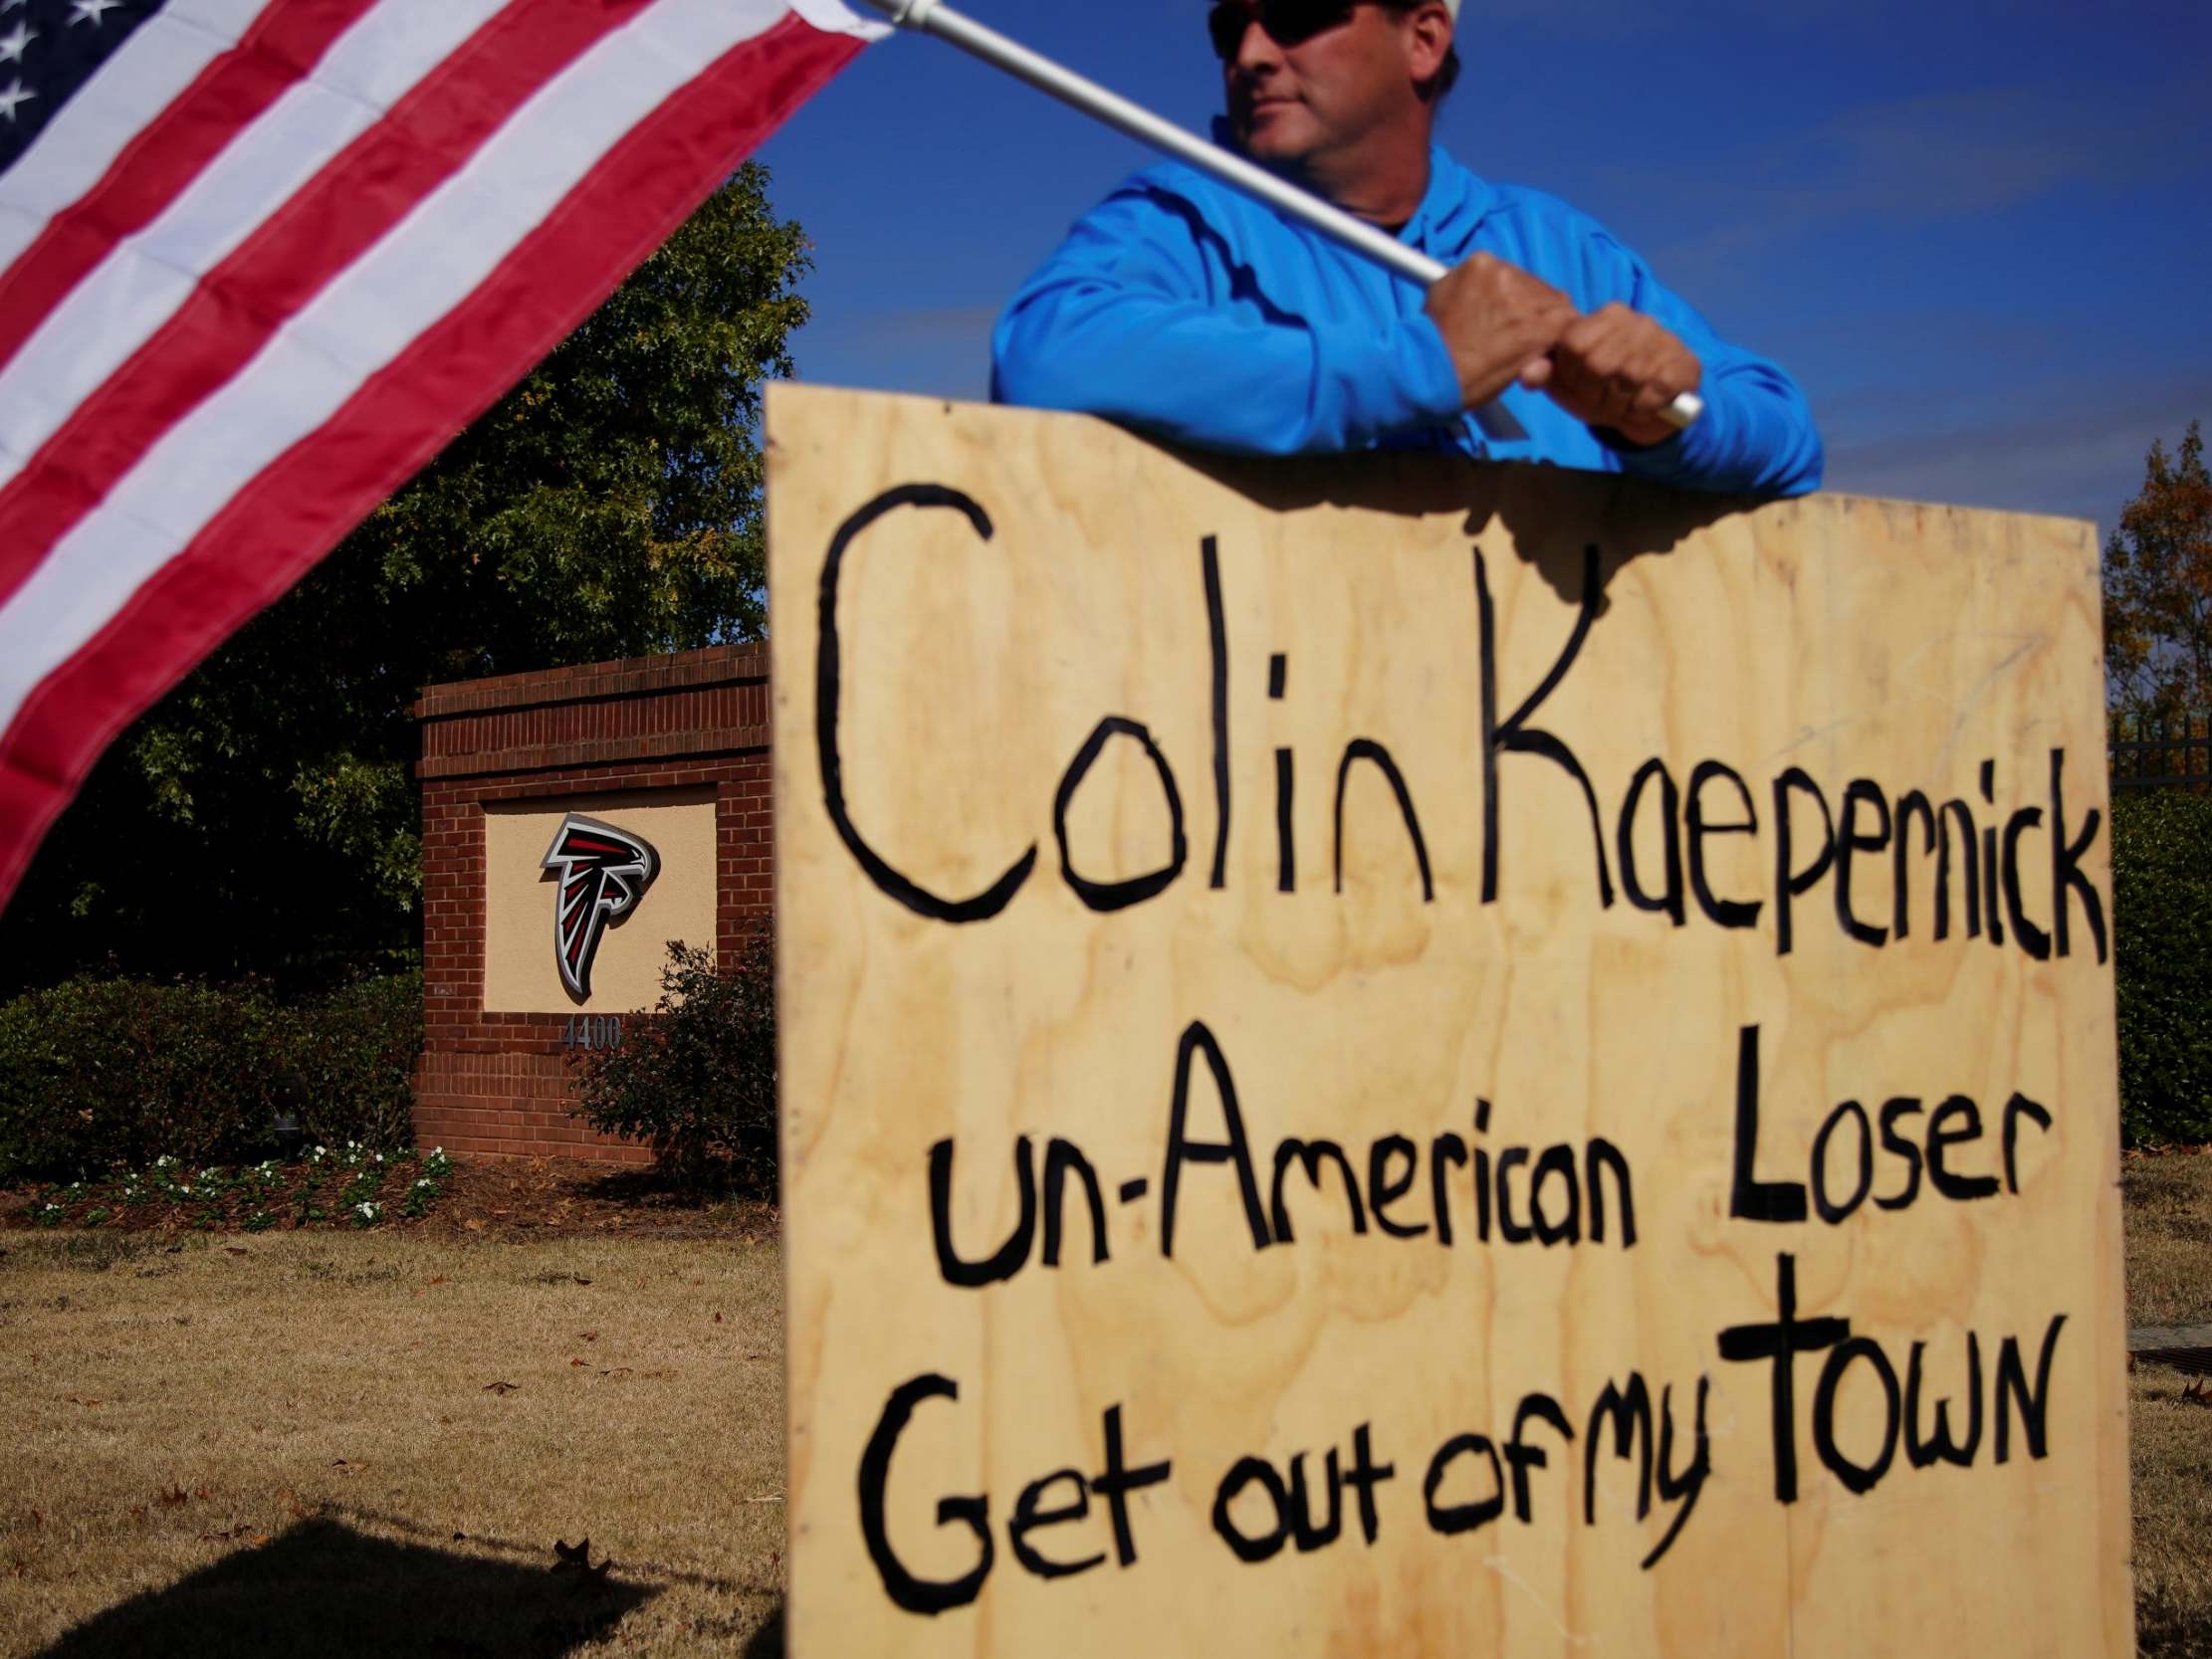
[495,1084]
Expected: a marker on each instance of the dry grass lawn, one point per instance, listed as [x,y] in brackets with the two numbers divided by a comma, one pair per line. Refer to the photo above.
[2169,1282]
[294,1444]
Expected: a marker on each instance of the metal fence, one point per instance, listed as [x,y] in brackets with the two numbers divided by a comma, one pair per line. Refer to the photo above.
[2161,751]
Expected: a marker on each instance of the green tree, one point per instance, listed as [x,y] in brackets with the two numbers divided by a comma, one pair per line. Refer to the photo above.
[2158,589]
[264,817]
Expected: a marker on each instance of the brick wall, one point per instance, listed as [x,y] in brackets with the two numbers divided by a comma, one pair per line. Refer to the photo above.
[496,1083]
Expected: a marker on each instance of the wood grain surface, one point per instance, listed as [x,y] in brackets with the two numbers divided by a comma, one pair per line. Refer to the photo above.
[1384,1057]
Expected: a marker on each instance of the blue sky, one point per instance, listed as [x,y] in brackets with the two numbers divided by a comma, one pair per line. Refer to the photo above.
[1979,233]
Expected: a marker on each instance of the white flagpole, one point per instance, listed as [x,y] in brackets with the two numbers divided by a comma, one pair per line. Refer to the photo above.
[933,18]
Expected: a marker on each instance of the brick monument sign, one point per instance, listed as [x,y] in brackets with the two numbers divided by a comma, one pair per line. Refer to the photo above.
[575,821]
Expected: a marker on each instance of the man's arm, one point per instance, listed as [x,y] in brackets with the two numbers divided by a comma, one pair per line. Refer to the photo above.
[1616,365]
[1756,436]
[1128,320]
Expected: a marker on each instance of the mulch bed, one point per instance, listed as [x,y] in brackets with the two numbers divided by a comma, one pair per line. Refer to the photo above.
[565,1197]
[491,1198]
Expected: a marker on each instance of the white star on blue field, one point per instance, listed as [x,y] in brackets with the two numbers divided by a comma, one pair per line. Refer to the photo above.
[1975,230]
[48,50]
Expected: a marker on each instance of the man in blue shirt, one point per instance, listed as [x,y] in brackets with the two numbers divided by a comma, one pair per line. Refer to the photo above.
[1184,308]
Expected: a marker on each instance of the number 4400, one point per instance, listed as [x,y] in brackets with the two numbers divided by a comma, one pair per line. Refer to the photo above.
[592,1031]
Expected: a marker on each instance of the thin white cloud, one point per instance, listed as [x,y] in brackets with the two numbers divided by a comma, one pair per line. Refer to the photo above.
[2077,451]
[1941,158]
[923,326]
[1896,19]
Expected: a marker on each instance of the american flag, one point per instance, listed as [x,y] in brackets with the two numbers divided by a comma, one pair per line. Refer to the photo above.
[260,259]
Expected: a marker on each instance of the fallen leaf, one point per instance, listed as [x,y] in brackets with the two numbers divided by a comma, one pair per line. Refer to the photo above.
[473,1226]
[718,1317]
[234,1250]
[437,1280]
[588,1336]
[502,1388]
[292,1503]
[138,1512]
[580,1278]
[346,1468]
[575,1362]
[223,1538]
[86,1404]
[202,1492]
[619,1370]
[175,1495]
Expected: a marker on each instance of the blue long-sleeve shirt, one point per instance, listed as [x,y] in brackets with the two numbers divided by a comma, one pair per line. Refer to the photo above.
[1184,309]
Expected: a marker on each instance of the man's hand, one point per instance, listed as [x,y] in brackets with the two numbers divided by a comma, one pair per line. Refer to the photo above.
[1501,326]
[1618,368]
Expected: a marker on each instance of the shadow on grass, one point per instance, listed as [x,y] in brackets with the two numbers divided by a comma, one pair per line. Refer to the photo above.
[659,1204]
[323,1589]
[647,1187]
[664,1576]
[2166,1627]
[768,1641]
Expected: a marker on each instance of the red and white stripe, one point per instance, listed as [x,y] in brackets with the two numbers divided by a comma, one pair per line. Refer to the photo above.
[272,257]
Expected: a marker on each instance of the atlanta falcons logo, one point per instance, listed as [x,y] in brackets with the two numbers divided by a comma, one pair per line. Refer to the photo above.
[602,874]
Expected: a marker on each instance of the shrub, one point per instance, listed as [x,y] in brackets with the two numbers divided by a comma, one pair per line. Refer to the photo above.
[101,1073]
[695,1079]
[350,1058]
[2162,963]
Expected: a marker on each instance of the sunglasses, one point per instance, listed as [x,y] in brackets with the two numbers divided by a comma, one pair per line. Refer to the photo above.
[1287,22]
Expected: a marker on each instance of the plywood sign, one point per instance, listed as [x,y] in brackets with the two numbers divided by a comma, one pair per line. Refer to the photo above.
[1391,1058]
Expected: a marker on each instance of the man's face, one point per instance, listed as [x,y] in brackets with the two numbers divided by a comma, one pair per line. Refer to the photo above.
[1292,106]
